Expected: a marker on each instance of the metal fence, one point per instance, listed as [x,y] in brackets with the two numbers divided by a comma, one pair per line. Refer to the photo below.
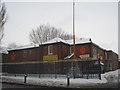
[74,69]
[86,76]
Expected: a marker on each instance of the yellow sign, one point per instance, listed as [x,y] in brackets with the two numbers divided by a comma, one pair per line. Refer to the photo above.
[101,58]
[50,58]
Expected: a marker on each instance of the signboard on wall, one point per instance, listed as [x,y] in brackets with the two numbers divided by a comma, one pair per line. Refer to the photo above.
[101,57]
[83,50]
[84,56]
[50,58]
[13,56]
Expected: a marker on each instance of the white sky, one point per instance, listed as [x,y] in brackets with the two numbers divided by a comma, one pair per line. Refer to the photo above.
[95,20]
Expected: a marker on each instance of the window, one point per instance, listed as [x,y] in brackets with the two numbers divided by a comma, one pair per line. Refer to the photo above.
[50,49]
[24,53]
[94,53]
[71,49]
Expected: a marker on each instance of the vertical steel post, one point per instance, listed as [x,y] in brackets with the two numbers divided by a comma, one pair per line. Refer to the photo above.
[99,68]
[68,80]
[25,77]
[74,31]
[73,64]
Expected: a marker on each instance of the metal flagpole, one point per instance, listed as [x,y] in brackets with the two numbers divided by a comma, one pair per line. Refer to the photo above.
[74,40]
[74,31]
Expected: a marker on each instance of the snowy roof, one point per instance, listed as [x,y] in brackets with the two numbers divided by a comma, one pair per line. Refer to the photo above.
[70,42]
[23,47]
[79,41]
[55,40]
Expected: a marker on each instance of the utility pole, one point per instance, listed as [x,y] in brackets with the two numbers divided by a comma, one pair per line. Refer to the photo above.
[74,30]
[73,64]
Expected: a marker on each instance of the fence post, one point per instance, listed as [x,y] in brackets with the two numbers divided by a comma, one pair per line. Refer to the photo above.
[73,65]
[68,80]
[87,76]
[99,68]
[25,77]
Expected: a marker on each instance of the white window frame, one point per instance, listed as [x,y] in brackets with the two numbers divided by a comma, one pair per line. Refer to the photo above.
[50,47]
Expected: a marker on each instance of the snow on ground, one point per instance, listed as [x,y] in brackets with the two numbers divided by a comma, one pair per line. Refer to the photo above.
[107,77]
[112,76]
[59,82]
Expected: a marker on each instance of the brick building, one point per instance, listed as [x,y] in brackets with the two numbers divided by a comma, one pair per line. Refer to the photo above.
[58,49]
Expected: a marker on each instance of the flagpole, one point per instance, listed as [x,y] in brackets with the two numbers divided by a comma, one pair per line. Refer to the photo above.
[74,31]
[73,63]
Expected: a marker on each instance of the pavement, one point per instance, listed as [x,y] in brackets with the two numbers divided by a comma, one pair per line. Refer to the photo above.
[59,82]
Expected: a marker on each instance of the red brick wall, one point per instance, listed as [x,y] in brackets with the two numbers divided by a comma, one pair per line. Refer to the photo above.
[24,55]
[60,49]
[65,51]
[94,51]
[4,57]
[114,61]
[82,50]
[89,50]
[101,53]
[114,57]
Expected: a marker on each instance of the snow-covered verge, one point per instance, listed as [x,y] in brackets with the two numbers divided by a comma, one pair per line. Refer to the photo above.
[62,82]
[59,82]
[112,76]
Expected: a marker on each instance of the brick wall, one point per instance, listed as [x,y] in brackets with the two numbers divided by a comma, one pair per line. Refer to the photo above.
[31,54]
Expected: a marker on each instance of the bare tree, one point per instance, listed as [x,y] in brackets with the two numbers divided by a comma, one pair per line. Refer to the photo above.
[3,18]
[46,32]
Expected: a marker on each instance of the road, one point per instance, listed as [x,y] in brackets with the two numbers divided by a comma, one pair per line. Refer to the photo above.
[109,85]
[6,85]
[106,85]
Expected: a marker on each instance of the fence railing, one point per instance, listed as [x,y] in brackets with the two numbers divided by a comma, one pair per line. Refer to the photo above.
[78,69]
[85,76]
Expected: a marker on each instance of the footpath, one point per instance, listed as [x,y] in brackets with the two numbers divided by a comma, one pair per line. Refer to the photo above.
[52,82]
[107,78]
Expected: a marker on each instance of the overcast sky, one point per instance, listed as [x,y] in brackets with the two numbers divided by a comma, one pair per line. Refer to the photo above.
[95,20]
